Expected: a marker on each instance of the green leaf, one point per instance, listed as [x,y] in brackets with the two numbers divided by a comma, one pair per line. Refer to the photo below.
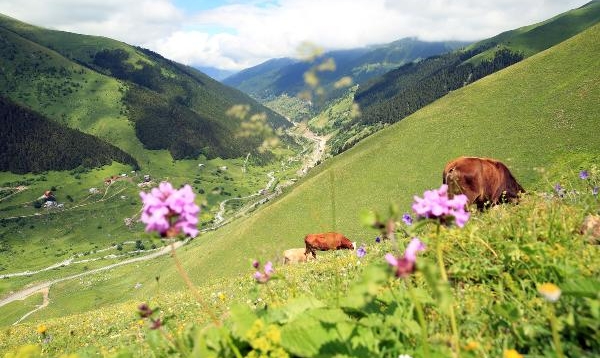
[241,320]
[582,287]
[294,307]
[366,288]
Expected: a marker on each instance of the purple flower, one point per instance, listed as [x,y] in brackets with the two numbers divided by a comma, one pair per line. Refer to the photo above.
[378,239]
[169,211]
[435,204]
[361,252]
[584,174]
[263,277]
[595,191]
[406,265]
[559,190]
[144,310]
[255,264]
[407,219]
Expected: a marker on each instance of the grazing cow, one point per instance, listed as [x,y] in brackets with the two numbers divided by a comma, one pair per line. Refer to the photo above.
[326,241]
[484,181]
[294,256]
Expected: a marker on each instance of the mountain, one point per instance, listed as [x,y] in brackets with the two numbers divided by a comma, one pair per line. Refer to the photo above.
[403,91]
[216,73]
[31,143]
[538,116]
[128,96]
[286,76]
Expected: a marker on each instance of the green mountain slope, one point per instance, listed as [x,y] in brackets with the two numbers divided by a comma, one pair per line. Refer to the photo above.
[128,96]
[403,91]
[32,143]
[535,115]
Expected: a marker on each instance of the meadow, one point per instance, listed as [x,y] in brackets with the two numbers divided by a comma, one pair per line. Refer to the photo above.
[477,291]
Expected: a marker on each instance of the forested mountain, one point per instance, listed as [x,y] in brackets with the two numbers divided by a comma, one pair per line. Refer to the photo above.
[286,76]
[403,91]
[129,96]
[216,73]
[31,143]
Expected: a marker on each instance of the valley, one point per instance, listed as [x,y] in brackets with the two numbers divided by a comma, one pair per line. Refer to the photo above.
[79,274]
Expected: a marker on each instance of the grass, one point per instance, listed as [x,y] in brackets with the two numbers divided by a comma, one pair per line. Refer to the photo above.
[494,265]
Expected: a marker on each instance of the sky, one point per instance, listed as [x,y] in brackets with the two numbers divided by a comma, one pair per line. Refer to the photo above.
[237,34]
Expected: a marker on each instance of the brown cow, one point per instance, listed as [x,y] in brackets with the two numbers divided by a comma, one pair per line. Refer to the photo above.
[294,256]
[326,241]
[484,181]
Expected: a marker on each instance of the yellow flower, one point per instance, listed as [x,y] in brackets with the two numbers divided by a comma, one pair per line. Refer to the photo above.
[41,329]
[221,296]
[550,291]
[472,345]
[273,334]
[511,353]
[140,322]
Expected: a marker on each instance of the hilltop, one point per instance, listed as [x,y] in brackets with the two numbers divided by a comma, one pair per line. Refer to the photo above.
[285,76]
[130,97]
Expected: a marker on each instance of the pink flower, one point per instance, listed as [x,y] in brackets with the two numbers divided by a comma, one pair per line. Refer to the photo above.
[406,265]
[435,204]
[263,277]
[169,211]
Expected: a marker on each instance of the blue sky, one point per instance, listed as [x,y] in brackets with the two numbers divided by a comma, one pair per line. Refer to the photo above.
[234,34]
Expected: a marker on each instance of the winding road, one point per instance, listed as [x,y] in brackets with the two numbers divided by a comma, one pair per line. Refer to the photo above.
[309,161]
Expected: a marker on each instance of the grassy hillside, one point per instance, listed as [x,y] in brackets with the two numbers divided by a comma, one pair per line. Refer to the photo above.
[32,143]
[128,96]
[399,93]
[538,116]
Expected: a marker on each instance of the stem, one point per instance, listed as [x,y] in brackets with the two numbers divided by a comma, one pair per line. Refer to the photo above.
[190,285]
[555,336]
[421,316]
[454,326]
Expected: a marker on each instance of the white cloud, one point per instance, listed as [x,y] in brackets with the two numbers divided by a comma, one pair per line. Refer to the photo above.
[238,35]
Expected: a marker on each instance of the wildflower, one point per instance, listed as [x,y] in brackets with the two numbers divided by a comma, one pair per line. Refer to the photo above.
[156,323]
[472,345]
[144,310]
[595,191]
[559,190]
[550,291]
[583,175]
[378,239]
[361,252]
[221,296]
[42,329]
[435,204]
[407,219]
[169,211]
[406,265]
[404,356]
[263,277]
[511,353]
[255,264]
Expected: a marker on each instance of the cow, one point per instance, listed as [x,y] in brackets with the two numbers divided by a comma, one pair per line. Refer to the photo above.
[485,181]
[326,241]
[294,256]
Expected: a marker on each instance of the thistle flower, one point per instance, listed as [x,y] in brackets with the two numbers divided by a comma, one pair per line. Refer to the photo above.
[406,265]
[550,291]
[144,310]
[169,211]
[361,252]
[435,204]
[583,175]
[263,277]
[407,219]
